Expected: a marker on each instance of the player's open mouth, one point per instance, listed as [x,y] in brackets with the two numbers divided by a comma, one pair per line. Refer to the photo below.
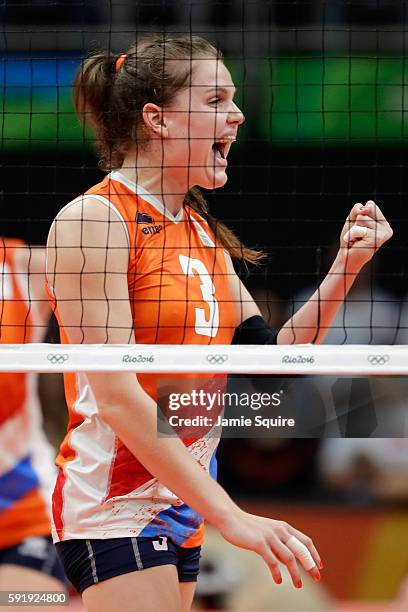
[221,148]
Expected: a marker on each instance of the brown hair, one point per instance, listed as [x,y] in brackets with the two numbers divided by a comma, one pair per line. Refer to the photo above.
[112,99]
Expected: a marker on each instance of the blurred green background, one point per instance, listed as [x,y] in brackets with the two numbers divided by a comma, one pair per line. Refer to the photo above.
[300,100]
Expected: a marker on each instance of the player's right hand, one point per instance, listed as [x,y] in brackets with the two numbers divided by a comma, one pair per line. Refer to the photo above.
[276,542]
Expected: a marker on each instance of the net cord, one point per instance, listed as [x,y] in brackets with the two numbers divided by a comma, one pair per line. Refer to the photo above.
[306,359]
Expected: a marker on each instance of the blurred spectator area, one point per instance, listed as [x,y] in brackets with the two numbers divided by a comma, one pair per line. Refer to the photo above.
[335,20]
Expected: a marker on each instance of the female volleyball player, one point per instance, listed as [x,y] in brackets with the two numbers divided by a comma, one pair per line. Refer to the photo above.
[138,259]
[27,556]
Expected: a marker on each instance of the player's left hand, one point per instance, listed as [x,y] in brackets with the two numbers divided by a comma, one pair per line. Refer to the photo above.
[365,231]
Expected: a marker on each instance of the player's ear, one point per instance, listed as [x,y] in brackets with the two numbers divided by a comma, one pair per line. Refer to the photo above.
[154,119]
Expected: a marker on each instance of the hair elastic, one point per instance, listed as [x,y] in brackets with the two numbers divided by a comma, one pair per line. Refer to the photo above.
[119,62]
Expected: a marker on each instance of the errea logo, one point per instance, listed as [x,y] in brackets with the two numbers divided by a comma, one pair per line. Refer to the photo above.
[143,218]
[152,229]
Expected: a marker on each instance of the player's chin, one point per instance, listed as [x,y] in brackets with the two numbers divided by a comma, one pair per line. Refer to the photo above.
[214,179]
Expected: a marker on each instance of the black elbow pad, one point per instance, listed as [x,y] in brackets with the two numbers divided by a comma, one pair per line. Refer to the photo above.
[254,330]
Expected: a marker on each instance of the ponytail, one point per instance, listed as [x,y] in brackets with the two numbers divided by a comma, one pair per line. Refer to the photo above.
[91,88]
[92,91]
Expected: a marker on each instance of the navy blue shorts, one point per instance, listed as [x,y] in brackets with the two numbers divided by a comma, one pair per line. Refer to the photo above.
[37,553]
[87,562]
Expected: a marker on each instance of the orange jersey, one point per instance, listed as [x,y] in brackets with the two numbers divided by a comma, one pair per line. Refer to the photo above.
[179,294]
[23,495]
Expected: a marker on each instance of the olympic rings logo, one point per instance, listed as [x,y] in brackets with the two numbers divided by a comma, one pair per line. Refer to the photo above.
[378,359]
[217,359]
[57,357]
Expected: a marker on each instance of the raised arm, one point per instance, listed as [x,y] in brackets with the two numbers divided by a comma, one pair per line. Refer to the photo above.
[87,268]
[363,233]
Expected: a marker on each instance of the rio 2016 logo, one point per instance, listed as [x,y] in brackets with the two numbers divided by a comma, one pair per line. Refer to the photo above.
[298,359]
[137,359]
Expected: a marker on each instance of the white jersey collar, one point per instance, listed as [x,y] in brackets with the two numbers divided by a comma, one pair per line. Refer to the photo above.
[115,175]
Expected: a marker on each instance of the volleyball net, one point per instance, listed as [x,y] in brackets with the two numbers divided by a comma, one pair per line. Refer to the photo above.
[324,100]
[323,86]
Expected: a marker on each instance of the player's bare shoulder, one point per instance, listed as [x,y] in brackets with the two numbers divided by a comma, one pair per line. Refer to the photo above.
[87,235]
[87,222]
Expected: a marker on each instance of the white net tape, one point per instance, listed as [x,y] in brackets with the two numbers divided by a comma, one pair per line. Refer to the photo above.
[283,359]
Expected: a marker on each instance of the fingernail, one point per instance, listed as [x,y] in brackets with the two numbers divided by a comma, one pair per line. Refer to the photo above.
[320,565]
[279,580]
[299,584]
[317,576]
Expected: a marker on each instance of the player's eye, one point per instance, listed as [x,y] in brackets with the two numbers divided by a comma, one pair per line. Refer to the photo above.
[215,101]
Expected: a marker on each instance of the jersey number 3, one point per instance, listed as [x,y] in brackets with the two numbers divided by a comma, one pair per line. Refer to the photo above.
[203,326]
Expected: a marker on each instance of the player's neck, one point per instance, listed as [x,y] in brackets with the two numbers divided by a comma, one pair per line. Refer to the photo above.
[160,182]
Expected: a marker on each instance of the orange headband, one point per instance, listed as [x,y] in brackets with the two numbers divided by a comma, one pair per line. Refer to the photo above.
[119,62]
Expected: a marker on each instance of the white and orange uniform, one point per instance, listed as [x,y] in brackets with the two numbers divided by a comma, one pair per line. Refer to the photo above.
[27,473]
[179,294]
